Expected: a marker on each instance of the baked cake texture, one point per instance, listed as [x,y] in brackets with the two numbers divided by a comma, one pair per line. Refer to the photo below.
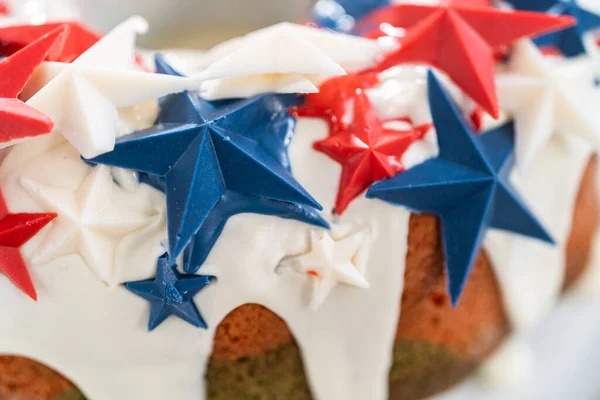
[211,225]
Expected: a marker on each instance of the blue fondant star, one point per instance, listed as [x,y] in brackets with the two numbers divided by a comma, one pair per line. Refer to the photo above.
[466,186]
[340,15]
[264,118]
[570,40]
[171,293]
[214,166]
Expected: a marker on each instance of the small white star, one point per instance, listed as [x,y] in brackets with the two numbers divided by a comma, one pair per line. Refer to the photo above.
[82,97]
[542,98]
[283,58]
[331,262]
[87,224]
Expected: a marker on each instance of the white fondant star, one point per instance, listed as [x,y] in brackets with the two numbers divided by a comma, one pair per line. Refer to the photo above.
[283,58]
[330,262]
[542,99]
[87,224]
[82,97]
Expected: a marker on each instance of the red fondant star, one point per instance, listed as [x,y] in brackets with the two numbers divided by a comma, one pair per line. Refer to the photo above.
[334,99]
[17,119]
[15,231]
[460,40]
[368,151]
[76,39]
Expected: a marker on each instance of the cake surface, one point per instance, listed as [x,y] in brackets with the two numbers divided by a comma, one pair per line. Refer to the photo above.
[323,211]
[435,347]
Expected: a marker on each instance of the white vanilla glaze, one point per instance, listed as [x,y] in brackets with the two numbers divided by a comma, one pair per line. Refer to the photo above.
[97,336]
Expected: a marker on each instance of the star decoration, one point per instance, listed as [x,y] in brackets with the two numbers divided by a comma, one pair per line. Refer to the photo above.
[15,231]
[19,121]
[470,35]
[335,100]
[98,82]
[77,38]
[284,58]
[368,152]
[214,166]
[330,262]
[569,41]
[88,222]
[171,293]
[541,99]
[466,186]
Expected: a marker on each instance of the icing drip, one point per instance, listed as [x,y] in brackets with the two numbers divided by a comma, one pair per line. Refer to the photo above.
[529,272]
[589,284]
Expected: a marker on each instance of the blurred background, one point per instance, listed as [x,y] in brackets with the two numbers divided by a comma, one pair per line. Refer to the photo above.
[192,23]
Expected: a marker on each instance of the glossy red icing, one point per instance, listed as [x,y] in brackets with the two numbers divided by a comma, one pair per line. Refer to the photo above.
[334,99]
[313,273]
[358,139]
[459,40]
[139,61]
[15,231]
[17,119]
[476,118]
[76,40]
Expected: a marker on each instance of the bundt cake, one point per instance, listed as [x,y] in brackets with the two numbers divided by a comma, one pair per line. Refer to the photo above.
[368,205]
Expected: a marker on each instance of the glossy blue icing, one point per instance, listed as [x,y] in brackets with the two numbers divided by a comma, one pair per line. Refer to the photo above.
[570,40]
[171,293]
[466,186]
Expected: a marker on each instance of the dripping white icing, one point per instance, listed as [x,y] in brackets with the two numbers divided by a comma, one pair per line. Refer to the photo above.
[529,272]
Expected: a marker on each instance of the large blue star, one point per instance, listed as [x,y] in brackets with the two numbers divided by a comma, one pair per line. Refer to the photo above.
[214,166]
[570,40]
[264,118]
[340,15]
[466,186]
[170,293]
